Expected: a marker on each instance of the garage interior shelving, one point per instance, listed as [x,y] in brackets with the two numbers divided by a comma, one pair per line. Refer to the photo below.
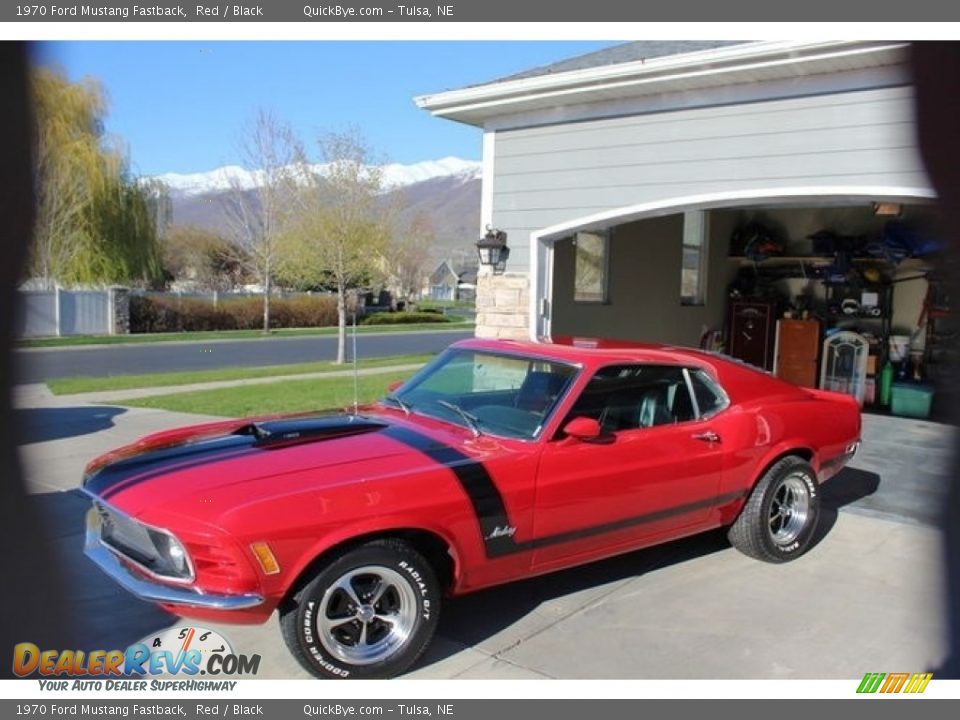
[843,291]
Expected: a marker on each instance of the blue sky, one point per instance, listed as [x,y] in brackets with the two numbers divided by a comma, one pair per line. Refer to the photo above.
[180,106]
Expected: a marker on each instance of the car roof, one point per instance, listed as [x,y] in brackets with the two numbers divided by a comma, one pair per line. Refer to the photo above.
[742,382]
[580,350]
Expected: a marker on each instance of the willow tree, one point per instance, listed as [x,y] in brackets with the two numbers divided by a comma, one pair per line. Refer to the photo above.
[338,232]
[95,223]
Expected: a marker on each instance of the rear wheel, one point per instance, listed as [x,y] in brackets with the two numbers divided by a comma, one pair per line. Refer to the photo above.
[369,613]
[778,522]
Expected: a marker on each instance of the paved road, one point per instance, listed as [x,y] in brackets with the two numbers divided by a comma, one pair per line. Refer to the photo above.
[40,365]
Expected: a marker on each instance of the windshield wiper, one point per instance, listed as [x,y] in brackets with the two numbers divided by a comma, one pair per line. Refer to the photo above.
[471,420]
[403,406]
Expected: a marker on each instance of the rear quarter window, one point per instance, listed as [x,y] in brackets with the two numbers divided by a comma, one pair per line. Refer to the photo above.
[711,398]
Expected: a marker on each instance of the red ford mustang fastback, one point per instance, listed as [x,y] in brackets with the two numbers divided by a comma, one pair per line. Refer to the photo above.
[498,461]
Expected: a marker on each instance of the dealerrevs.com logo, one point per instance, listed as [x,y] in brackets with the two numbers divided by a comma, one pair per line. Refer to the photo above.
[177,652]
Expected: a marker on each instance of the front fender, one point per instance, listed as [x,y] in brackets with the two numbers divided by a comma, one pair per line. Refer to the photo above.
[369,528]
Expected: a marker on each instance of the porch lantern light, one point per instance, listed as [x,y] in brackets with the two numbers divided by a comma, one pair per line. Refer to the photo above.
[493,251]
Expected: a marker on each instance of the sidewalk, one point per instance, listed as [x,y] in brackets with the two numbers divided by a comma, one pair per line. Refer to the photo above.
[40,391]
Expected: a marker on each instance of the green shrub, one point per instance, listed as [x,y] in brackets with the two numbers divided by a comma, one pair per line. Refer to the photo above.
[445,304]
[403,318]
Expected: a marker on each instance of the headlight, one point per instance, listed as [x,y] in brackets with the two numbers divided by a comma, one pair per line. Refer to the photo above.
[156,551]
[172,554]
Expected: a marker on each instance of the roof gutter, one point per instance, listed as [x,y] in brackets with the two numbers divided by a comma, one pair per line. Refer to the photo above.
[791,58]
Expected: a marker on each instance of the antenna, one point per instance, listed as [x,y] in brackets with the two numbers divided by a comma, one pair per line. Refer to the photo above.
[356,371]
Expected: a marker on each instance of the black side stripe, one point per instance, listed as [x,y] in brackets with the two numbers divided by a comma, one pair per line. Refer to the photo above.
[629,522]
[491,511]
[486,499]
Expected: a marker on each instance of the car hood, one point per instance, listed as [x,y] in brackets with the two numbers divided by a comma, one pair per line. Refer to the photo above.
[194,462]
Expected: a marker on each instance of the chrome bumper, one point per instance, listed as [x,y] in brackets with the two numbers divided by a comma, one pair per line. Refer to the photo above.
[146,589]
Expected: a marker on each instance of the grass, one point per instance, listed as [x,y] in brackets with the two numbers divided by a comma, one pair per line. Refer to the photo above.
[77,340]
[279,397]
[67,386]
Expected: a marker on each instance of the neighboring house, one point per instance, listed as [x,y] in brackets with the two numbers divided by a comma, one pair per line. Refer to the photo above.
[621,176]
[443,282]
[452,282]
[467,283]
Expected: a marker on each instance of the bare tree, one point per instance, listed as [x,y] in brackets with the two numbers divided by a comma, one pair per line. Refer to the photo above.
[409,254]
[256,214]
[338,236]
[202,257]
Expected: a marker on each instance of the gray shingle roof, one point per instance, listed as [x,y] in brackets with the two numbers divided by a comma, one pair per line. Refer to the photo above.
[627,52]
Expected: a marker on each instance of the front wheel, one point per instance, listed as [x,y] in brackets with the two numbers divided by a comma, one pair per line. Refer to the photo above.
[368,614]
[780,517]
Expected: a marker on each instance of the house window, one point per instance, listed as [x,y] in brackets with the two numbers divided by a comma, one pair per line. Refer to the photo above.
[693,271]
[590,281]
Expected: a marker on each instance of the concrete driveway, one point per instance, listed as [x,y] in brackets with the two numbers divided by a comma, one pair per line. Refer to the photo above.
[867,597]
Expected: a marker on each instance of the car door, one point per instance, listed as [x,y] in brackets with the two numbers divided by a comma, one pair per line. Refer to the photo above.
[654,472]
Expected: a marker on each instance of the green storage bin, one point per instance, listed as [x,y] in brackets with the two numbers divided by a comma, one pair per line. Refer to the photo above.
[911,399]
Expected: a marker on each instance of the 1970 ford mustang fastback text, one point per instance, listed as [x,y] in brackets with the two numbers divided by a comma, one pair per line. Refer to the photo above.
[498,461]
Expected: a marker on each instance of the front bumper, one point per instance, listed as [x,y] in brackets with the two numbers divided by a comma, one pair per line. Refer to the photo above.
[151,590]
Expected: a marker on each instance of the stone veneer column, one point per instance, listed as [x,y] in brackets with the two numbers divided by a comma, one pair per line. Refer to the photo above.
[120,300]
[503,305]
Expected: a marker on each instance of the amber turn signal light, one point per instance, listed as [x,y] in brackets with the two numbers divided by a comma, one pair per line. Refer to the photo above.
[264,555]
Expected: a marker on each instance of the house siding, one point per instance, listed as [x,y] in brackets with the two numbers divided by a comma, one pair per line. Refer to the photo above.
[553,174]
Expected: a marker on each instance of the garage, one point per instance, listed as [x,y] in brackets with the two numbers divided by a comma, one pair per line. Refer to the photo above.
[763,199]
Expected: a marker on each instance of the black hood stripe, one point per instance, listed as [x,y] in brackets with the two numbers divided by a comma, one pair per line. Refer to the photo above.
[253,438]
[127,472]
[491,511]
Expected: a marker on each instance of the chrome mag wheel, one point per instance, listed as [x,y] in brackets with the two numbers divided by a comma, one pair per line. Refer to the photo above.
[789,510]
[367,615]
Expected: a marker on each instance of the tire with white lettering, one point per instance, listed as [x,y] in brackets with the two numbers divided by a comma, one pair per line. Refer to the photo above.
[780,516]
[367,614]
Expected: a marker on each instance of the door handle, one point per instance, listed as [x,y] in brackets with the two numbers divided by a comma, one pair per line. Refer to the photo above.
[709,436]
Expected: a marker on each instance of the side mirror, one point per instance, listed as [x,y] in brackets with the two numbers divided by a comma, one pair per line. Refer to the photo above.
[394,386]
[583,428]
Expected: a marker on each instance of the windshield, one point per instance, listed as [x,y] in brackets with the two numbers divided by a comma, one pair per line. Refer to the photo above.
[487,393]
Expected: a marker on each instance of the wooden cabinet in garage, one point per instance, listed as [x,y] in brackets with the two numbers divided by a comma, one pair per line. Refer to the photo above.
[797,347]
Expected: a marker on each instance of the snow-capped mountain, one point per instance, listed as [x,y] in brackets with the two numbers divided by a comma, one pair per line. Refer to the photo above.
[395,175]
[449,196]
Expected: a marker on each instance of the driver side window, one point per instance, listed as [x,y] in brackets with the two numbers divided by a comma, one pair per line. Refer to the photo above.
[628,397]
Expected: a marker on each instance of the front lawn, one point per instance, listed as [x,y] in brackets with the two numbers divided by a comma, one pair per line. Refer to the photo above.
[278,397]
